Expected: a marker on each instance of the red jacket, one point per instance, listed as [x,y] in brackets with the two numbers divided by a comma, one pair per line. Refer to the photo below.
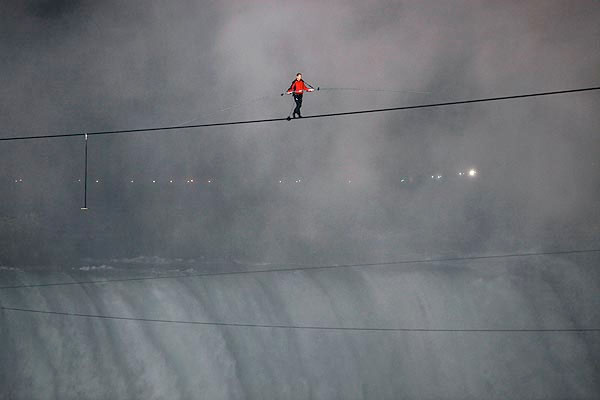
[299,87]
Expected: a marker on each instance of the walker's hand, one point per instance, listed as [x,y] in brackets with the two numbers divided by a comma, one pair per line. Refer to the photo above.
[311,90]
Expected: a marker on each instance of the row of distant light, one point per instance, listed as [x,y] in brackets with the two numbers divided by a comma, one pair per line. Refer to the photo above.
[471,173]
[154,181]
[20,180]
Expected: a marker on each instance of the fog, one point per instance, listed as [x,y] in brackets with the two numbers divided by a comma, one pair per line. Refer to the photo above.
[370,188]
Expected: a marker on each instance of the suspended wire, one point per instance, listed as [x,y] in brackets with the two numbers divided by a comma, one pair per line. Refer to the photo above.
[301,327]
[85,175]
[339,114]
[303,267]
[312,327]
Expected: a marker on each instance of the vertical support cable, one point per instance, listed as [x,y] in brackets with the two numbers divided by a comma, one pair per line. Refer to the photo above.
[85,175]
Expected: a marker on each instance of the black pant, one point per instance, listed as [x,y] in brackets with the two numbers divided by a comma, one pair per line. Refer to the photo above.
[298,100]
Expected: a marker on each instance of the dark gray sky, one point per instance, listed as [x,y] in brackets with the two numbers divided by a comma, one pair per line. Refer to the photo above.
[72,66]
[75,66]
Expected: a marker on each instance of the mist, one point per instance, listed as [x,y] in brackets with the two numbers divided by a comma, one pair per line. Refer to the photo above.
[366,188]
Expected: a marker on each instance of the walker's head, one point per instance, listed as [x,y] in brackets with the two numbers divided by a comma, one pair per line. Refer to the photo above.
[299,76]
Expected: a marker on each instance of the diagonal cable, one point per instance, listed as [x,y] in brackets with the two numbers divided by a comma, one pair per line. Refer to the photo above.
[339,114]
[302,267]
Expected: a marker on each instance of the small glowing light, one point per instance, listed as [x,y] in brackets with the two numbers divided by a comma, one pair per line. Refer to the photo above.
[16,181]
[171,181]
[78,180]
[191,181]
[460,173]
[20,180]
[280,181]
[97,181]
[132,181]
[209,181]
[472,172]
[153,181]
[401,180]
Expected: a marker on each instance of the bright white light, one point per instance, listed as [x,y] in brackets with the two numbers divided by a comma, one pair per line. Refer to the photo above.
[472,172]
[132,181]
[191,180]
[401,180]
[209,181]
[439,177]
[97,181]
[171,181]
[460,173]
[280,181]
[432,177]
[153,181]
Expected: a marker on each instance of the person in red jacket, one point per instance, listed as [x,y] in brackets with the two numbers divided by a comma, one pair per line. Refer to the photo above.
[297,88]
